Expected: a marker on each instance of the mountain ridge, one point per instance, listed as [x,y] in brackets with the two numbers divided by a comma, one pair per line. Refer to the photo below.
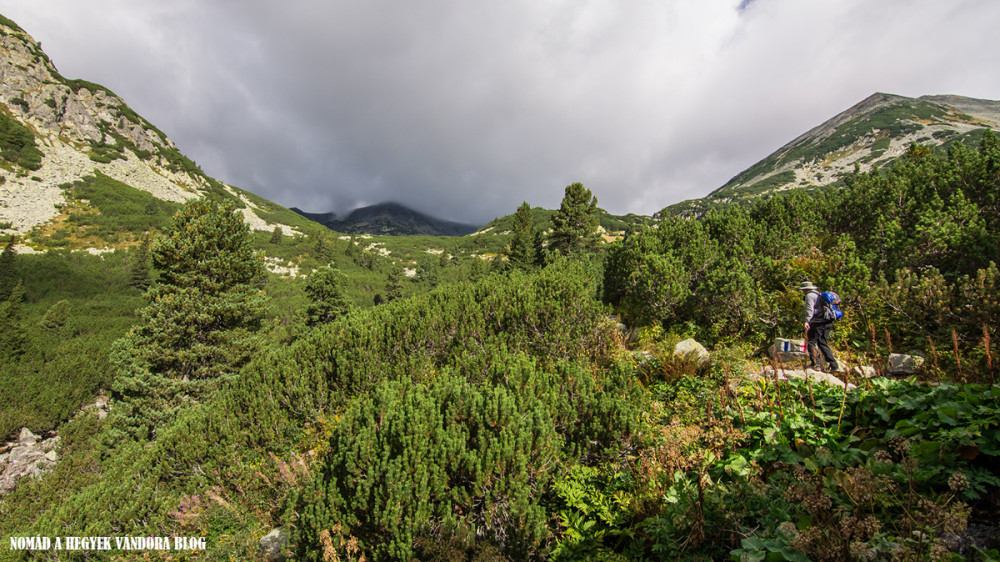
[389,218]
[869,134]
[68,131]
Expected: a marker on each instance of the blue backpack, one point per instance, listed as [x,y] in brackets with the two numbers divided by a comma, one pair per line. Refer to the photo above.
[831,306]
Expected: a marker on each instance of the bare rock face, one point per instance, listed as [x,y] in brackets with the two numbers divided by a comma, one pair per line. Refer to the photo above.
[28,456]
[69,118]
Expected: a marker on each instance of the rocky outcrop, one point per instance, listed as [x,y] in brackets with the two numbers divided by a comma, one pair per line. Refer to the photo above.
[72,120]
[691,350]
[79,112]
[30,455]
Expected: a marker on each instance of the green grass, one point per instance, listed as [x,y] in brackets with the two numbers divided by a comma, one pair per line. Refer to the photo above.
[8,23]
[120,208]
[769,184]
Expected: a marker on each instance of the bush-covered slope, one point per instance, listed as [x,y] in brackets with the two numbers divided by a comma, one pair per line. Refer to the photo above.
[511,418]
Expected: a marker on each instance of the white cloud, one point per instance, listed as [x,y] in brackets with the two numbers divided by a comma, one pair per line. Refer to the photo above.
[464,110]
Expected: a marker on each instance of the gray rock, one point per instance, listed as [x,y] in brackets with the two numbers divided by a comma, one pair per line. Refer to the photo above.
[642,357]
[904,364]
[692,351]
[27,457]
[788,351]
[865,371]
[814,376]
[27,436]
[272,546]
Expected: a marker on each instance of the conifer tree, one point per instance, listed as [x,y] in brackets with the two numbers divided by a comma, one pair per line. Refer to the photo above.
[394,286]
[8,277]
[352,246]
[57,315]
[325,288]
[574,224]
[12,336]
[323,249]
[199,326]
[541,252]
[139,277]
[276,235]
[522,249]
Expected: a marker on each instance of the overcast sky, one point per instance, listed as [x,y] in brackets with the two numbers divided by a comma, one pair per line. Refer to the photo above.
[465,109]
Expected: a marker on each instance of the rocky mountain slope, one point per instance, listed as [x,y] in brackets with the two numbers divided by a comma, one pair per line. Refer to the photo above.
[54,132]
[870,134]
[392,219]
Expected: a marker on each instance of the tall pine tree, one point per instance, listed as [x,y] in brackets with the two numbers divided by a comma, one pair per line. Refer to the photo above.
[139,277]
[326,289]
[574,224]
[522,249]
[8,273]
[199,326]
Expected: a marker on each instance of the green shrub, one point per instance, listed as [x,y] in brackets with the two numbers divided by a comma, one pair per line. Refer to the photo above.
[407,460]
[120,207]
[17,143]
[57,315]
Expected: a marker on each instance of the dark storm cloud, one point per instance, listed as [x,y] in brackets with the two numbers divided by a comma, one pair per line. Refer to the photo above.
[464,110]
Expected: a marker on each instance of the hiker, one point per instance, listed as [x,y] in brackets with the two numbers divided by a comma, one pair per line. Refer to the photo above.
[817,328]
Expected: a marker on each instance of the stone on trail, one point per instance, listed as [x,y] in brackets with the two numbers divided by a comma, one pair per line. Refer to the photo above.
[788,351]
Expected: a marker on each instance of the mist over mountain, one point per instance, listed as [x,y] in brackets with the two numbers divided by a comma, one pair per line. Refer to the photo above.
[392,219]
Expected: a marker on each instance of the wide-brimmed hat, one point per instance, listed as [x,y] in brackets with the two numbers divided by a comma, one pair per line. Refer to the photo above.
[807,286]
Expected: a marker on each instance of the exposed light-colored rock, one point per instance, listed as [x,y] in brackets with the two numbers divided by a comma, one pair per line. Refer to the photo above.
[865,372]
[275,265]
[26,437]
[693,351]
[68,124]
[28,456]
[272,546]
[788,351]
[378,249]
[815,376]
[904,364]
